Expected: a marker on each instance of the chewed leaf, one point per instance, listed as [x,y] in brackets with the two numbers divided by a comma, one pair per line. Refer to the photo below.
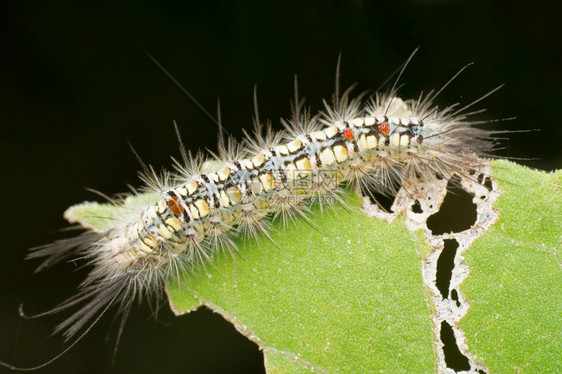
[514,323]
[347,293]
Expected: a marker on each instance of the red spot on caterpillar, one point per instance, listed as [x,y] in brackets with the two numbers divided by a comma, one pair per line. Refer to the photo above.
[176,208]
[384,127]
[348,133]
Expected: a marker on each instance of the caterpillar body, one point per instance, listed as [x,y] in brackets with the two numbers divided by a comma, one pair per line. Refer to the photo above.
[373,144]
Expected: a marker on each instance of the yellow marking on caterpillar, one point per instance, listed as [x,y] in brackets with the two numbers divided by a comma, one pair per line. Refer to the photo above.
[267,181]
[331,131]
[294,146]
[341,153]
[318,135]
[194,211]
[191,187]
[404,140]
[282,149]
[137,227]
[371,141]
[290,171]
[327,157]
[247,164]
[174,223]
[151,213]
[182,191]
[203,207]
[362,142]
[225,201]
[214,177]
[224,174]
[143,247]
[303,165]
[258,160]
[234,194]
[163,231]
[395,140]
[162,206]
[358,122]
[369,121]
[150,241]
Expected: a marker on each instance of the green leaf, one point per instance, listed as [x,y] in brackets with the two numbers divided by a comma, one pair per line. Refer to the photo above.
[350,296]
[347,297]
[514,323]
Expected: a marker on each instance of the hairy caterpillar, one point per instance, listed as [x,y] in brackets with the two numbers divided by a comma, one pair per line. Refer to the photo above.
[375,144]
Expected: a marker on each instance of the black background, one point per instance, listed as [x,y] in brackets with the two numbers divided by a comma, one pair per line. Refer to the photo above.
[76,84]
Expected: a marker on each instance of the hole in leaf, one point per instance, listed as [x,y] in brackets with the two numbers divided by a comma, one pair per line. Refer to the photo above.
[455,297]
[445,265]
[485,181]
[480,178]
[382,200]
[453,356]
[416,208]
[383,197]
[457,213]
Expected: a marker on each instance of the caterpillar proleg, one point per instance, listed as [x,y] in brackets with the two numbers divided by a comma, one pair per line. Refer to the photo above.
[182,218]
